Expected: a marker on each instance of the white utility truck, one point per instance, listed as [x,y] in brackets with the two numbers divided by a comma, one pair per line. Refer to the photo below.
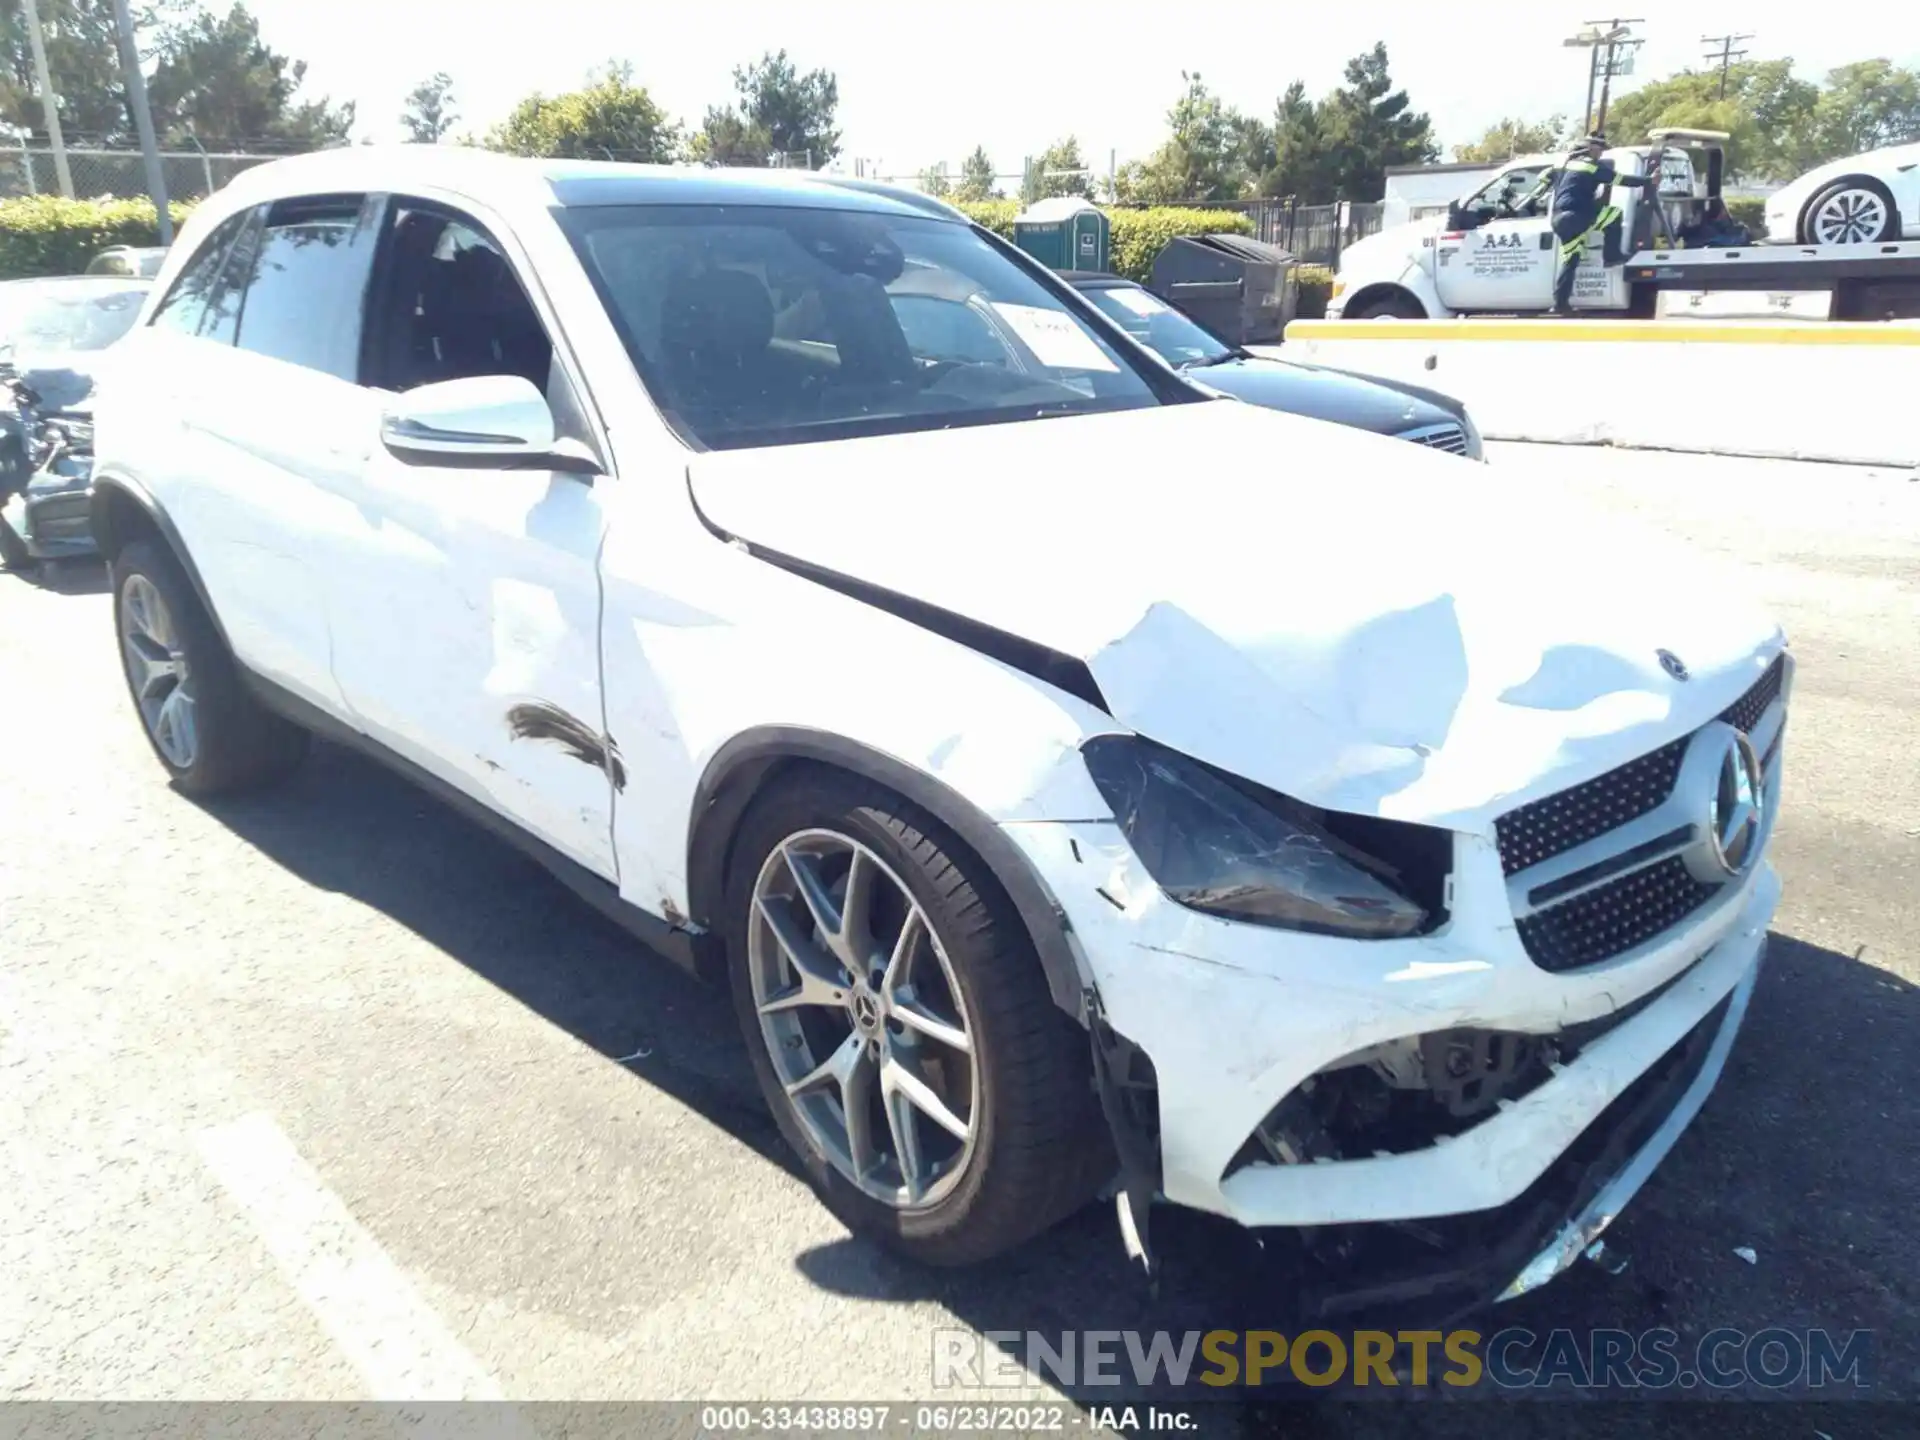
[1494,252]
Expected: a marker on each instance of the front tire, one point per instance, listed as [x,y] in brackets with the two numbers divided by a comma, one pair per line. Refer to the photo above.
[1389,307]
[901,1027]
[210,734]
[1854,211]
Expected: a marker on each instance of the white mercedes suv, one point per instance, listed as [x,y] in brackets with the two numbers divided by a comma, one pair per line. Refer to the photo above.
[1081,780]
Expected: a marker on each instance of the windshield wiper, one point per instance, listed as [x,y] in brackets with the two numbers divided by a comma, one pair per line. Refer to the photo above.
[1208,360]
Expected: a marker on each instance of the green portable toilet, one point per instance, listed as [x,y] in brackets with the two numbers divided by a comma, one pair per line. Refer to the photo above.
[1068,232]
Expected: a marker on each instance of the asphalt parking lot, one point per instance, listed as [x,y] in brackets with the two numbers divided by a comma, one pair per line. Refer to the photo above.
[324,1093]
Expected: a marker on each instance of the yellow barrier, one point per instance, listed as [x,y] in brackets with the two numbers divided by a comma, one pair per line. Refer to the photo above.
[1813,391]
[1618,332]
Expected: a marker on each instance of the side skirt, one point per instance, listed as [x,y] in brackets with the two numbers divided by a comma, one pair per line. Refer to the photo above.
[690,950]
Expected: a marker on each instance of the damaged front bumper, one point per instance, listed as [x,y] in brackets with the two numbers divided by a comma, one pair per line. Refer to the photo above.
[1207,1026]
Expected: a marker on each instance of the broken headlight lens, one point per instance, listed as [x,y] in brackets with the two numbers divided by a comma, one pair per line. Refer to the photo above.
[1215,848]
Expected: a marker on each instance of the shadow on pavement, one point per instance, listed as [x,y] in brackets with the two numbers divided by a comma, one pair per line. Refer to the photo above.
[66,577]
[1807,1153]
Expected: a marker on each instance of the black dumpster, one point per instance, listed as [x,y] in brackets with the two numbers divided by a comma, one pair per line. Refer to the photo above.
[1245,291]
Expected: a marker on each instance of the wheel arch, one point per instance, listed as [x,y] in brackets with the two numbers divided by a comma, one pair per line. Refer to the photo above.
[1383,290]
[754,758]
[1858,180]
[121,509]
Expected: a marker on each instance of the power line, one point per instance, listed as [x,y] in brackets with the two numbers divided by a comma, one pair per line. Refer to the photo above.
[1726,54]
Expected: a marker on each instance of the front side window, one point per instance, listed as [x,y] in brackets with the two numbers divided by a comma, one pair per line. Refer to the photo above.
[295,285]
[451,307]
[1171,335]
[185,308]
[1504,193]
[769,325]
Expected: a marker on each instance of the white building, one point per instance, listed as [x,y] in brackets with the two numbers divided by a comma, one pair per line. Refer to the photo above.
[1416,191]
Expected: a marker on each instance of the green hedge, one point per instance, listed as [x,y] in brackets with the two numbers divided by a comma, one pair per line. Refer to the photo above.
[46,235]
[1750,211]
[1316,288]
[1137,235]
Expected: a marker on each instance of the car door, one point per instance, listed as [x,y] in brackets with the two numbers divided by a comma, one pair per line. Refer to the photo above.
[466,611]
[1499,259]
[260,381]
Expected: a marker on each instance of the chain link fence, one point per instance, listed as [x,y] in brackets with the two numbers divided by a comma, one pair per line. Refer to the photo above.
[98,173]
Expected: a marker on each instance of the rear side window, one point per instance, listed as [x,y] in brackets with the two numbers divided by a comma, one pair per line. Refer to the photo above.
[296,284]
[185,307]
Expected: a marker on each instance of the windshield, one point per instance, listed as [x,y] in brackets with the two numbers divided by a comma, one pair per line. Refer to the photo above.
[1157,325]
[64,316]
[771,325]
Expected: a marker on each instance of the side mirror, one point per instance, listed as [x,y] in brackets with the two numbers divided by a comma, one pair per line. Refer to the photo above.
[489,421]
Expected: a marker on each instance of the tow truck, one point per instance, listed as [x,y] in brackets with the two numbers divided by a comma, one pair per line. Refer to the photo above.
[1494,253]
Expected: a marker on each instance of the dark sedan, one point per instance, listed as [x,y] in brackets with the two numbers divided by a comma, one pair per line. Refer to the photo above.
[1386,407]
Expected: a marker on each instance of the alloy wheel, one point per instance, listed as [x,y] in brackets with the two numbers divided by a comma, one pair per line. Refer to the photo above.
[158,672]
[1851,217]
[863,1019]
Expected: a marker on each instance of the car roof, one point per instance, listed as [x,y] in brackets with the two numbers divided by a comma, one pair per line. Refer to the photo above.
[549,182]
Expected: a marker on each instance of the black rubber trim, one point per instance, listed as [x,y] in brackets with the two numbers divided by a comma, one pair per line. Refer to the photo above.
[682,947]
[99,506]
[738,770]
[1059,670]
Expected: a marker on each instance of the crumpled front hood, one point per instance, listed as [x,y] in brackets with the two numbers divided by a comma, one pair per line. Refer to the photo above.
[63,379]
[1349,619]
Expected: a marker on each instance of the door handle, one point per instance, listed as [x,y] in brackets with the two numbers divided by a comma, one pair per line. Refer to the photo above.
[1546,240]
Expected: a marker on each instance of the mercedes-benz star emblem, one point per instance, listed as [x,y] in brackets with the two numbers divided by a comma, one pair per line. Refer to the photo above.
[1672,664]
[1737,808]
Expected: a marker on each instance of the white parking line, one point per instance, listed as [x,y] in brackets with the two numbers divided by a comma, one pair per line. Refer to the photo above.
[383,1326]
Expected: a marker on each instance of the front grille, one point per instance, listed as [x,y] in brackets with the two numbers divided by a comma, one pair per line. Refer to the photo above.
[1593,925]
[1745,712]
[1552,826]
[1450,438]
[1613,918]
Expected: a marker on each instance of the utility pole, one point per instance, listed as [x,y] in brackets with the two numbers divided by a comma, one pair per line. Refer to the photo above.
[49,102]
[142,119]
[1618,37]
[1612,36]
[1726,54]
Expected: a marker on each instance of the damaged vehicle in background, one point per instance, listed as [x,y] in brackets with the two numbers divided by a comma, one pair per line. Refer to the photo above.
[53,335]
[1387,407]
[1069,783]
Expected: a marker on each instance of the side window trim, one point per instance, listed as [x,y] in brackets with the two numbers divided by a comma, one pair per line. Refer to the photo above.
[252,219]
[214,283]
[374,329]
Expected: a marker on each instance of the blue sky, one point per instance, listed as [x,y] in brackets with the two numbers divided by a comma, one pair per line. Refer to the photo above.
[920,84]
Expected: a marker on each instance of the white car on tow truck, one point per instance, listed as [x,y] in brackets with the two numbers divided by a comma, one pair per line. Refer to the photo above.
[1494,253]
[1069,778]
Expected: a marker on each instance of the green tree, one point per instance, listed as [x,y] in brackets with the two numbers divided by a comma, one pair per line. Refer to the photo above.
[934,181]
[796,111]
[219,81]
[726,137]
[1867,105]
[1767,112]
[1369,126]
[1202,158]
[1505,139]
[976,178]
[610,117]
[1053,172]
[1303,163]
[429,111]
[84,60]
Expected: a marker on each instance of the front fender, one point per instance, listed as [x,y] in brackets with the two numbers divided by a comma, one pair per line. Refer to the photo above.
[744,764]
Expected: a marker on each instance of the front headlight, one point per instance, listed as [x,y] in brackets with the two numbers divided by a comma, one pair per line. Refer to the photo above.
[1215,848]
